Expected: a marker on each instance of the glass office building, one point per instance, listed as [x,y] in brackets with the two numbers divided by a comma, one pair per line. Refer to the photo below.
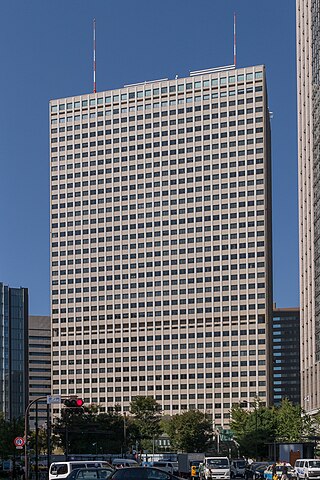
[13,351]
[286,355]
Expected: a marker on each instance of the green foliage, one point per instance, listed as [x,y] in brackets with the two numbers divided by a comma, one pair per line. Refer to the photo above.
[87,431]
[253,429]
[8,432]
[291,425]
[190,431]
[42,440]
[146,419]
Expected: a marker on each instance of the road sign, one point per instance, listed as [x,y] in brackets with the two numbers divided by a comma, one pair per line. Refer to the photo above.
[53,399]
[19,442]
[7,465]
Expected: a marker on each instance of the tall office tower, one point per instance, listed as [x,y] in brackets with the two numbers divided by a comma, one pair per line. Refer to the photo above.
[161,242]
[308,32]
[286,355]
[13,351]
[39,366]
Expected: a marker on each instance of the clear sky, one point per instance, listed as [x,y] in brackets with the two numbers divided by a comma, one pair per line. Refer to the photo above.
[46,52]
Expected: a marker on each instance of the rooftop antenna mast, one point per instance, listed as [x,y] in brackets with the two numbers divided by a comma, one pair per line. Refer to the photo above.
[94,57]
[234,40]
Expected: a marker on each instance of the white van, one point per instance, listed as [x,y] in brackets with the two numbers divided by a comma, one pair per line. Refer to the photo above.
[307,467]
[60,470]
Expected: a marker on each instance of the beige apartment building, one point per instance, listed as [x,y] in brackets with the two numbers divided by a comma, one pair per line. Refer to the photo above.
[161,266]
[308,44]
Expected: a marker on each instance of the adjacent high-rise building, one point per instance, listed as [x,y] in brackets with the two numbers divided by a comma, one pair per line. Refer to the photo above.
[308,42]
[286,355]
[39,366]
[13,351]
[161,261]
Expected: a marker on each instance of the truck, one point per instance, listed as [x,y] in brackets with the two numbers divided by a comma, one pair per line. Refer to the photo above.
[216,468]
[186,461]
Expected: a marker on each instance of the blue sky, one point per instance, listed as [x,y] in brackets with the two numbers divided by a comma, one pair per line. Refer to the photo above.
[46,52]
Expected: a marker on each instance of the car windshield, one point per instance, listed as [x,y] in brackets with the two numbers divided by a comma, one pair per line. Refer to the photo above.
[240,464]
[217,463]
[314,463]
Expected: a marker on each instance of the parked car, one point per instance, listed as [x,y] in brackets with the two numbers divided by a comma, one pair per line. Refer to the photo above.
[142,473]
[280,469]
[90,473]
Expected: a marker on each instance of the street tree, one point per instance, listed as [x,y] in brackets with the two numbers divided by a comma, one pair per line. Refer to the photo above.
[146,413]
[42,440]
[9,430]
[253,429]
[291,425]
[190,431]
[86,430]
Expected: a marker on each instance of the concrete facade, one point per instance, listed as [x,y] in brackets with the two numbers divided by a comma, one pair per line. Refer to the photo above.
[39,365]
[309,192]
[161,259]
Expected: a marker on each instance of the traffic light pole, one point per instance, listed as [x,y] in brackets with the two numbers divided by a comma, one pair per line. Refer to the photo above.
[37,444]
[48,437]
[26,431]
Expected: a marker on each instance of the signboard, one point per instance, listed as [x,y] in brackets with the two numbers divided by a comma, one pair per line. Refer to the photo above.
[19,442]
[7,465]
[53,399]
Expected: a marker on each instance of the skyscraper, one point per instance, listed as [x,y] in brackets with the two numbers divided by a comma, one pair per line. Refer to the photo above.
[309,198]
[286,355]
[13,351]
[161,242]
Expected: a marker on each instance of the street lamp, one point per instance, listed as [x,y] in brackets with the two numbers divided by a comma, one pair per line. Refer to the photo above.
[254,405]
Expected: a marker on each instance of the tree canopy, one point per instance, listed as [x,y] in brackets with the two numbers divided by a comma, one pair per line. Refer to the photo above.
[8,432]
[254,428]
[88,431]
[146,414]
[190,431]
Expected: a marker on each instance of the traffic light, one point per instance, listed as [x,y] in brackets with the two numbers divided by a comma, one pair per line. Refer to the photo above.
[73,403]
[193,471]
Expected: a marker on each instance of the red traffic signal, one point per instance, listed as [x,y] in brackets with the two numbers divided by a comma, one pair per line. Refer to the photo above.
[73,402]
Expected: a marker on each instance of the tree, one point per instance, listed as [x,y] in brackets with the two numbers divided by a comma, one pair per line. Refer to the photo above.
[88,431]
[190,431]
[146,417]
[253,429]
[291,426]
[9,430]
[42,440]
